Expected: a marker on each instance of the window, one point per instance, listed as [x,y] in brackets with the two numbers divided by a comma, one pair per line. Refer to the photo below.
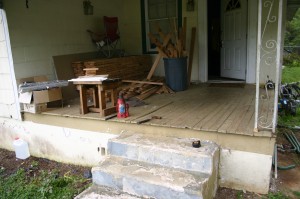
[158,12]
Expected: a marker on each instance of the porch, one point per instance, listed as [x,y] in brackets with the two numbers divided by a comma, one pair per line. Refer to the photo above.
[223,113]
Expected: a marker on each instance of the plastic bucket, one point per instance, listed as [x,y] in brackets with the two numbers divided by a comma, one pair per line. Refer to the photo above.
[176,73]
[21,149]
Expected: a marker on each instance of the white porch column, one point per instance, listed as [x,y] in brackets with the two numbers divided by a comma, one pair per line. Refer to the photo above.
[278,65]
[258,49]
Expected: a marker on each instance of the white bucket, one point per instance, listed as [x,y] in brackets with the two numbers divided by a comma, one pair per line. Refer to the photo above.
[21,149]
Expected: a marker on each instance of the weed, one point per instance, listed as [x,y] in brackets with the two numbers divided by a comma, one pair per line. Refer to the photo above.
[34,164]
[289,120]
[45,184]
[239,195]
[2,169]
[297,193]
[278,195]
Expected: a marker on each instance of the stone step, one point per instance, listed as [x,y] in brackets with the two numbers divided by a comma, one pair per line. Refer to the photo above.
[166,151]
[151,180]
[101,192]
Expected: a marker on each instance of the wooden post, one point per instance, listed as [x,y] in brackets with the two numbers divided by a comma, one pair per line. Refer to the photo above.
[191,54]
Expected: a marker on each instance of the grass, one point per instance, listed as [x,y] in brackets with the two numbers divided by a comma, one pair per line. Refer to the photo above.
[289,120]
[291,74]
[39,184]
[278,195]
[297,193]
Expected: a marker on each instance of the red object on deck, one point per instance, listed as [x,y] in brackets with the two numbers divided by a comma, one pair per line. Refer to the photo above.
[122,107]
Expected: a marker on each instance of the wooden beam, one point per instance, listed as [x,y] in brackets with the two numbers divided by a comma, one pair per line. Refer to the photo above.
[154,66]
[143,82]
[191,54]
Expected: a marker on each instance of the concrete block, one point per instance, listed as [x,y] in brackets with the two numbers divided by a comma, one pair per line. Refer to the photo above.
[166,151]
[144,179]
[101,192]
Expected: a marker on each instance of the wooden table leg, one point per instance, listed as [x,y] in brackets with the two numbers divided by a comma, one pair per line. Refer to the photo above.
[102,102]
[114,96]
[95,97]
[83,100]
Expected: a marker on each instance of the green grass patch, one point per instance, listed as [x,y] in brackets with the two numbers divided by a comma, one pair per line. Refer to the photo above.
[40,184]
[278,195]
[290,74]
[297,193]
[289,120]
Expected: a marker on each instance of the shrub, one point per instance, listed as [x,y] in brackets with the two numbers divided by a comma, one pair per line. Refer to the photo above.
[291,60]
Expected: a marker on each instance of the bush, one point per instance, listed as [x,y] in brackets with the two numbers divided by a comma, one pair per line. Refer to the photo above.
[291,60]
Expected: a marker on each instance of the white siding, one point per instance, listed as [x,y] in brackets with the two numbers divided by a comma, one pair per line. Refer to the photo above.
[8,96]
[51,28]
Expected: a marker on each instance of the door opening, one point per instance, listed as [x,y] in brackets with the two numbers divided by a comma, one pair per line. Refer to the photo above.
[214,38]
[227,39]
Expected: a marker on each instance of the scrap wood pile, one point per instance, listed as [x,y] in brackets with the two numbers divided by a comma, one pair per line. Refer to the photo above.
[143,89]
[171,45]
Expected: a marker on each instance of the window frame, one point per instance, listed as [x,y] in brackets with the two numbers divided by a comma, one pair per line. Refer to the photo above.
[144,28]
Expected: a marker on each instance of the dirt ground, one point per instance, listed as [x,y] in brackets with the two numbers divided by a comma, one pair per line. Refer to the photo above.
[288,181]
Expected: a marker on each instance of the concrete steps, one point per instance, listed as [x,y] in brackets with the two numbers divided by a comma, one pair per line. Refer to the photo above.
[166,151]
[159,167]
[144,179]
[101,192]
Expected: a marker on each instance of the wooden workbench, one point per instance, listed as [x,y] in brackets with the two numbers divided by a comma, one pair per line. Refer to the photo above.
[100,87]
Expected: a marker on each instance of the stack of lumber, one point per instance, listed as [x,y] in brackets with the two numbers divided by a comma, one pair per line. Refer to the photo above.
[90,71]
[131,67]
[78,67]
[143,89]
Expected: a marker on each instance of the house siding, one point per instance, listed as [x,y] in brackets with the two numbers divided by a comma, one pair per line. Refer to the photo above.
[8,104]
[51,28]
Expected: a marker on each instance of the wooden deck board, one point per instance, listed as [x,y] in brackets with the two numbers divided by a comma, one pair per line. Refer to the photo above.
[202,108]
[215,124]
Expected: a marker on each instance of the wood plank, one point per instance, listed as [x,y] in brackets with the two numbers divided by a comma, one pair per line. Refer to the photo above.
[188,121]
[191,54]
[213,112]
[185,115]
[219,119]
[154,66]
[239,116]
[83,100]
[149,93]
[143,82]
[183,36]
[247,125]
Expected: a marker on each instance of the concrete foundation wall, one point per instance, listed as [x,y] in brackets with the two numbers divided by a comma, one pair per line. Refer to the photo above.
[245,171]
[56,143]
[236,169]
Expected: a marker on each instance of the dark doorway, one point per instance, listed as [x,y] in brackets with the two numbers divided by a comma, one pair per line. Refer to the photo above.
[214,38]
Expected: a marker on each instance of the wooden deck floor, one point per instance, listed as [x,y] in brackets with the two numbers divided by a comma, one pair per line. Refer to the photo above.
[202,107]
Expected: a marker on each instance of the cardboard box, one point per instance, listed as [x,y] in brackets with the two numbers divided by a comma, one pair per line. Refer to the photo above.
[42,96]
[35,108]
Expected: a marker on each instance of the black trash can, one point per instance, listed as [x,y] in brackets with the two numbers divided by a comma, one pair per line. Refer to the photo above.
[176,73]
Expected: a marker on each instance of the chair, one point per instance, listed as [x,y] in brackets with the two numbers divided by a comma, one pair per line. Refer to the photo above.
[108,41]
